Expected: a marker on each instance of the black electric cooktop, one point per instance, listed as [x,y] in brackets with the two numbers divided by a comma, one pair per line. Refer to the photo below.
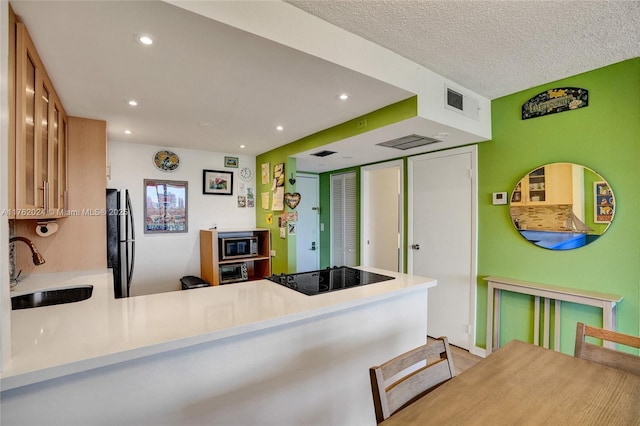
[326,280]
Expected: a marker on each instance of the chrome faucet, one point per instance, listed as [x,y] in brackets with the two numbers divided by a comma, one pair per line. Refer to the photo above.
[37,257]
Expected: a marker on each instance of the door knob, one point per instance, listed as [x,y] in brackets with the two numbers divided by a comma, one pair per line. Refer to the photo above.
[415,246]
[313,246]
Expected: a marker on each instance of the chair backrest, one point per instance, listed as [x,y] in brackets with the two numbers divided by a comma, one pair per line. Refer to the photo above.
[605,356]
[402,380]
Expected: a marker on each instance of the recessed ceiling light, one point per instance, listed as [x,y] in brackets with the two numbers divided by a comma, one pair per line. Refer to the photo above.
[133,102]
[344,97]
[242,146]
[279,128]
[145,39]
[128,132]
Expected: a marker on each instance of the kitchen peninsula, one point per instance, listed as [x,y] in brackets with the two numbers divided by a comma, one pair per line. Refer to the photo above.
[249,353]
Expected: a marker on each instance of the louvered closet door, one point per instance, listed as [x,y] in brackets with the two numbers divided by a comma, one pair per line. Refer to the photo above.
[343,219]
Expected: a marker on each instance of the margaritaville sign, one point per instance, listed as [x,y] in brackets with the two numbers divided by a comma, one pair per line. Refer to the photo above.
[555,100]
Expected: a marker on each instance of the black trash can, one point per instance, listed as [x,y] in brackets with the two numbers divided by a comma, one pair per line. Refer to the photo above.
[188,282]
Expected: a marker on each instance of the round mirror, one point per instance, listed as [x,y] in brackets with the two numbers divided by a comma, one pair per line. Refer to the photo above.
[562,206]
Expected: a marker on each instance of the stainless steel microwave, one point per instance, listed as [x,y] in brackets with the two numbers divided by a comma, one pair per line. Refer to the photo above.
[238,247]
[233,272]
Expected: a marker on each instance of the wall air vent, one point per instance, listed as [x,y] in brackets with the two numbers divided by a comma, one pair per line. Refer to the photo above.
[408,142]
[461,103]
[455,99]
[323,153]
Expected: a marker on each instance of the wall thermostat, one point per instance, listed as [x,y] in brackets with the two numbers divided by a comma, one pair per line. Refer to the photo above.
[499,198]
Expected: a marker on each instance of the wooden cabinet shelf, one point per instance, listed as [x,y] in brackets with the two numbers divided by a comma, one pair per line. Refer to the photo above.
[211,262]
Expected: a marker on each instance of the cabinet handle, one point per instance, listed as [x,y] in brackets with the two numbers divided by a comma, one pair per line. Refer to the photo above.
[46,196]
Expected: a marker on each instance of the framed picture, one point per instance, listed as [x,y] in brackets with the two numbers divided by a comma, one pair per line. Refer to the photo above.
[165,208]
[216,182]
[604,202]
[231,162]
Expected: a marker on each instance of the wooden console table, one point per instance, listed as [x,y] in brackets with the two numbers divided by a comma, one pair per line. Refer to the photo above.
[607,302]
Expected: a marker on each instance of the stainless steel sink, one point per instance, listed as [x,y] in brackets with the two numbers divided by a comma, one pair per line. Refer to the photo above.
[51,297]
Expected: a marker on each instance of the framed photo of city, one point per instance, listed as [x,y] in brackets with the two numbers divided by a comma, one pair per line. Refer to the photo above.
[165,206]
[215,182]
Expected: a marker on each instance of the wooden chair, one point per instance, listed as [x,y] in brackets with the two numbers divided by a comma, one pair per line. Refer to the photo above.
[605,356]
[394,386]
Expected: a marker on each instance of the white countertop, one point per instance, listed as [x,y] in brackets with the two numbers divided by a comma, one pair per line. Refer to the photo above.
[54,341]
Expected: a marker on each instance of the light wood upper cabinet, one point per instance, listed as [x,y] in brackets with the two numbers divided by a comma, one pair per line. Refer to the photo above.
[41,137]
[560,183]
[547,185]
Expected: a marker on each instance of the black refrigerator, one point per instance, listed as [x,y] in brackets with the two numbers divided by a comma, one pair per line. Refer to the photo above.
[121,240]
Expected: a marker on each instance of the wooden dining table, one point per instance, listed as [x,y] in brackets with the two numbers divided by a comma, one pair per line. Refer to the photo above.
[523,384]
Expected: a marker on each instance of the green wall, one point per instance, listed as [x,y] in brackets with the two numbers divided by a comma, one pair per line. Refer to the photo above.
[605,136]
[284,261]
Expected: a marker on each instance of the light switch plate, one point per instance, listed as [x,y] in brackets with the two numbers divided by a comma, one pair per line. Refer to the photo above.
[499,198]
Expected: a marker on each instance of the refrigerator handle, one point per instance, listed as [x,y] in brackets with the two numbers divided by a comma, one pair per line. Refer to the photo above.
[130,216]
[132,240]
[130,267]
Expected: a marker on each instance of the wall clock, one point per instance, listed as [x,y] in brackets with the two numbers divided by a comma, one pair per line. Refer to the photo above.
[167,161]
[246,173]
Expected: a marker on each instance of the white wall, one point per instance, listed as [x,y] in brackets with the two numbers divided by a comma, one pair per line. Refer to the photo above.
[162,259]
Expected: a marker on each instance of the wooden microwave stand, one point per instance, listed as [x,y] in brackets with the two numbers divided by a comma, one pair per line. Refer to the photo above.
[258,266]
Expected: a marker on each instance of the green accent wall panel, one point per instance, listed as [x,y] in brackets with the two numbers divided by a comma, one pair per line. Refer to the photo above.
[605,136]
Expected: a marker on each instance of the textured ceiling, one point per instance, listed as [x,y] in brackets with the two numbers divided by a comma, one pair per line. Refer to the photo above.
[213,86]
[494,48]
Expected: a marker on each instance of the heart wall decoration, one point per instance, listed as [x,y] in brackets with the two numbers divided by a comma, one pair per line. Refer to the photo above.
[292,200]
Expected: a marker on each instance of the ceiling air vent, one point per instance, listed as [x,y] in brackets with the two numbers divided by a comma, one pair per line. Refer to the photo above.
[323,153]
[408,142]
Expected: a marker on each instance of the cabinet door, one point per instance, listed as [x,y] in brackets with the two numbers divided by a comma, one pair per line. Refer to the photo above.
[40,136]
[537,187]
[560,183]
[27,137]
[57,158]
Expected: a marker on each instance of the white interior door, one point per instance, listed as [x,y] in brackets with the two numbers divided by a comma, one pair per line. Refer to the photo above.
[381,216]
[442,230]
[307,235]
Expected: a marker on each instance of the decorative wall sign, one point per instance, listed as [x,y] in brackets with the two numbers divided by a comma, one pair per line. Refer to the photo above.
[217,182]
[167,161]
[292,200]
[555,100]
